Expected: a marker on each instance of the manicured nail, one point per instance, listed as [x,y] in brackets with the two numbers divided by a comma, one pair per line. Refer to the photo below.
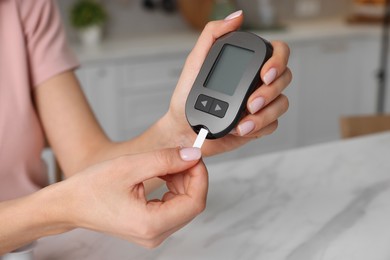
[190,154]
[233,15]
[246,127]
[270,76]
[234,131]
[256,105]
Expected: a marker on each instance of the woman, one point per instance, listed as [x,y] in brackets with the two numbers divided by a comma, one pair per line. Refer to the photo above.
[106,181]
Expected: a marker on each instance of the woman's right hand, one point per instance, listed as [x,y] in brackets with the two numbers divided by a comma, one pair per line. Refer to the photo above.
[110,197]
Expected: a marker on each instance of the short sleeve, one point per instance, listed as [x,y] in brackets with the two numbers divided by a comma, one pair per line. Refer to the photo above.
[48,52]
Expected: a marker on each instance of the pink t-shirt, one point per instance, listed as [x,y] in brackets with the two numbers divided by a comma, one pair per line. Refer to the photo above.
[32,49]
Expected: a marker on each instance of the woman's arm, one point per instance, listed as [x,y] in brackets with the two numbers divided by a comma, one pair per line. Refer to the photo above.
[28,218]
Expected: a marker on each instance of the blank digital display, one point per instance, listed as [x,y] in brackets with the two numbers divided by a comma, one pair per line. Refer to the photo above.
[228,69]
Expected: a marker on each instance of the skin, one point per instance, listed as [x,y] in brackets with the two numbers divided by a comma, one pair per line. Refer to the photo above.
[107,182]
[110,197]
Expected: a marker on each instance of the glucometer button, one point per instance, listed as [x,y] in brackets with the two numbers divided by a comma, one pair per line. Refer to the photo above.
[204,103]
[219,108]
[212,106]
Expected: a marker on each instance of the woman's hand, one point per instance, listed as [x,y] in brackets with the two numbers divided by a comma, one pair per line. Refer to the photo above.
[110,197]
[264,106]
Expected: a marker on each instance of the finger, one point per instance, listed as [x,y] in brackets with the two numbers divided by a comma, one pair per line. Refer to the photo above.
[253,123]
[181,208]
[169,183]
[269,129]
[161,225]
[175,210]
[277,64]
[174,160]
[169,195]
[267,93]
[176,185]
[157,163]
[159,239]
[154,242]
[212,31]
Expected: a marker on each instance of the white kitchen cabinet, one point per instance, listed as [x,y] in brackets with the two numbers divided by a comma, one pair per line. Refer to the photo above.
[367,77]
[336,77]
[146,91]
[129,95]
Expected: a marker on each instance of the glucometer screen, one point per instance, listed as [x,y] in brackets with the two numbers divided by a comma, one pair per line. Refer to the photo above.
[228,69]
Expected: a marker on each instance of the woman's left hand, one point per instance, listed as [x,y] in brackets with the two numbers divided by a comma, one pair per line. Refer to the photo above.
[264,106]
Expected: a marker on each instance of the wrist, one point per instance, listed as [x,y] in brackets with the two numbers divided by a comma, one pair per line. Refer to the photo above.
[29,218]
[54,217]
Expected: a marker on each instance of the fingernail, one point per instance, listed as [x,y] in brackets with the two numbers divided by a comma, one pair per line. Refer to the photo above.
[246,127]
[270,76]
[256,105]
[234,131]
[233,15]
[190,154]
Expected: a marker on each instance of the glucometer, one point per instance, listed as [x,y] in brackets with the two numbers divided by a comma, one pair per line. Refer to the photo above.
[228,76]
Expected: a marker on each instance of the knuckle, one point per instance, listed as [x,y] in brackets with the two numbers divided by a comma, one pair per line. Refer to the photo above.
[284,47]
[271,128]
[199,207]
[261,122]
[285,102]
[289,75]
[210,26]
[287,49]
[163,159]
[150,235]
[147,232]
[282,102]
[189,59]
[275,91]
[151,244]
[274,126]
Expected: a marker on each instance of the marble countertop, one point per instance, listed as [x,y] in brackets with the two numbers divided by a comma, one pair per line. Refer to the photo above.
[133,46]
[328,202]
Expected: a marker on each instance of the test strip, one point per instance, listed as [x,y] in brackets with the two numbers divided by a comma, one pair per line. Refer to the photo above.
[200,138]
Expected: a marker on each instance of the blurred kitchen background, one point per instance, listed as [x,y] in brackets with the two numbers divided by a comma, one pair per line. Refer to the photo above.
[149,16]
[130,74]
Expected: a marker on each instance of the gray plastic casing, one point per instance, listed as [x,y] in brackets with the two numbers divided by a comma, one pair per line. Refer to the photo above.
[250,81]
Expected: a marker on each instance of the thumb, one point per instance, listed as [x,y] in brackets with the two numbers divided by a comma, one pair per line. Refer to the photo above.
[166,161]
[212,31]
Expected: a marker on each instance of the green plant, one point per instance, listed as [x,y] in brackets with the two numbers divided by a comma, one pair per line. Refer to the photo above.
[85,13]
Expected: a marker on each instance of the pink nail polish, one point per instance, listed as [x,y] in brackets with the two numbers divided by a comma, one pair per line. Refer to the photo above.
[234,131]
[246,127]
[270,76]
[233,15]
[190,154]
[256,105]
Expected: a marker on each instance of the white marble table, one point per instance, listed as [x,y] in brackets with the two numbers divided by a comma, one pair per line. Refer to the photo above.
[328,202]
